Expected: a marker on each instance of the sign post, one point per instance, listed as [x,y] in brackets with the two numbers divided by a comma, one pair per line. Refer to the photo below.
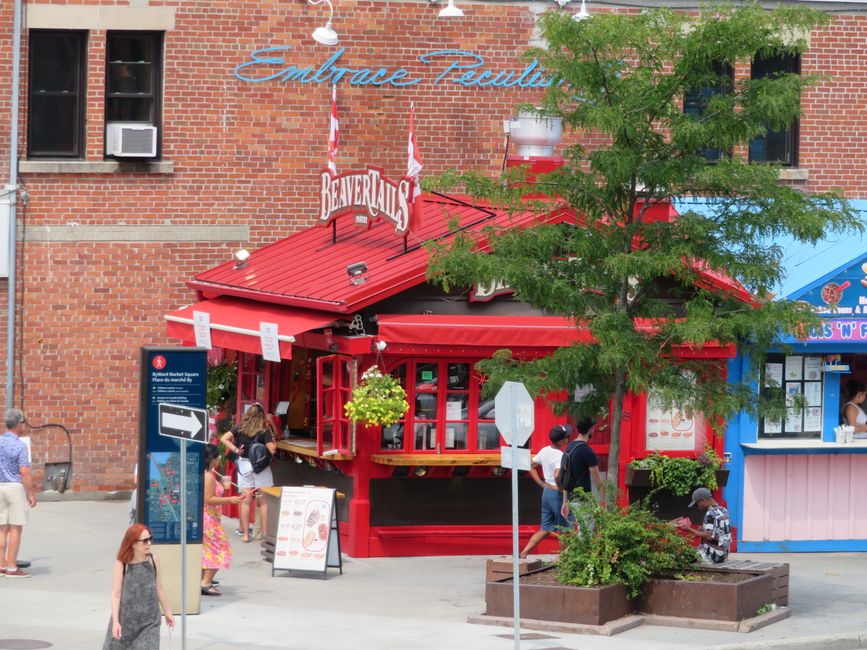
[185,423]
[515,419]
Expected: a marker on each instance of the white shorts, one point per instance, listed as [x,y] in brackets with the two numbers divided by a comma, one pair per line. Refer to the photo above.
[248,479]
[14,508]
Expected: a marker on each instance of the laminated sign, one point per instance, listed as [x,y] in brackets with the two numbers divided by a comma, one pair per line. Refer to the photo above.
[307,536]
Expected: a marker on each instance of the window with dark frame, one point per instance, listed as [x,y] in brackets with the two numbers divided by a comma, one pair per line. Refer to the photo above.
[695,102]
[55,111]
[801,377]
[133,77]
[779,147]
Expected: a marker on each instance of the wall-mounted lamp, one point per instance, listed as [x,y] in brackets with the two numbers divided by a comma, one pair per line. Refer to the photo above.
[419,471]
[241,258]
[355,271]
[582,14]
[325,35]
[381,345]
[451,11]
[299,460]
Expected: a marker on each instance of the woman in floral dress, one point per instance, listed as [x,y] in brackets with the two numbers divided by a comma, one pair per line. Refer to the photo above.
[216,551]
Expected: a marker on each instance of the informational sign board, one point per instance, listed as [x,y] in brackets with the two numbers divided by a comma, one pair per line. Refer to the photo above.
[177,376]
[673,429]
[308,537]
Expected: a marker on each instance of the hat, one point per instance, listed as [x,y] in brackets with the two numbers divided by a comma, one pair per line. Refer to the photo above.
[699,494]
[560,432]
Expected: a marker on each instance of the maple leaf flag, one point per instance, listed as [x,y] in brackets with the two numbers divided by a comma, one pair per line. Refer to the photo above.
[414,164]
[333,133]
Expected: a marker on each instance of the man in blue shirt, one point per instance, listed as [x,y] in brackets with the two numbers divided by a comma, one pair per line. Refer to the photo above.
[16,494]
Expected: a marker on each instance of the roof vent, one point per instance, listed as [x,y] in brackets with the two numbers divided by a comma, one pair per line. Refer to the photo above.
[535,135]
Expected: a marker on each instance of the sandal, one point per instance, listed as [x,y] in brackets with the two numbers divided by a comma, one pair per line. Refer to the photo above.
[210,590]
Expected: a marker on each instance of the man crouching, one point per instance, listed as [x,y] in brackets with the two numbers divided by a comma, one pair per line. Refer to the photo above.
[715,533]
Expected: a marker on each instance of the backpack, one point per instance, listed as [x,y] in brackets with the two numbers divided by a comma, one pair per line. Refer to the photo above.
[259,457]
[566,478]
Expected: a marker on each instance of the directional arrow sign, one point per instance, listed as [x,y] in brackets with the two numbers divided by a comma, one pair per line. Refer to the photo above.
[184,422]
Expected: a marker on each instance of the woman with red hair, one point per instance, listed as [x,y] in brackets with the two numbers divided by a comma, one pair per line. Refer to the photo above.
[136,595]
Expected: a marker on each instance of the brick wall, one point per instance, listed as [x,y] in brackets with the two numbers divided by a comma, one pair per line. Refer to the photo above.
[247,154]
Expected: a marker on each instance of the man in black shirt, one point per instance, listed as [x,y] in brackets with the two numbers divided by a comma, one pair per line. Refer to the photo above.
[583,463]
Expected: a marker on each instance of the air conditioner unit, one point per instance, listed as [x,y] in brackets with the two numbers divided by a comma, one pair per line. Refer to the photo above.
[130,140]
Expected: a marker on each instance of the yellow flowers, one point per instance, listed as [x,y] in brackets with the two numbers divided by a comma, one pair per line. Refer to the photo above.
[379,399]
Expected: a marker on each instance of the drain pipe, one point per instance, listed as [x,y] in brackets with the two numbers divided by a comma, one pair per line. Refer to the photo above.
[13,200]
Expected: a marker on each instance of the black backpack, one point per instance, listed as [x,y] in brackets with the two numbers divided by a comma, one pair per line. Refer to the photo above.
[259,457]
[566,478]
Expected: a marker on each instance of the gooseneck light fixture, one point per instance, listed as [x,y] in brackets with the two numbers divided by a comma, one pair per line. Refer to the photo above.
[582,14]
[450,10]
[325,35]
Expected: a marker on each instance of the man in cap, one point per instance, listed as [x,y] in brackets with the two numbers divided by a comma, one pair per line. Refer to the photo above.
[715,533]
[548,459]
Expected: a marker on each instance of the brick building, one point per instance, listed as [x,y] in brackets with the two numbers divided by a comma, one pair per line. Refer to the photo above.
[106,242]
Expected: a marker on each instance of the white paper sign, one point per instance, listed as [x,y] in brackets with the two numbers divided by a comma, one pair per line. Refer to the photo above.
[450,437]
[202,328]
[813,419]
[794,367]
[812,368]
[793,421]
[270,343]
[453,410]
[773,427]
[774,374]
[303,528]
[523,458]
[672,430]
[813,393]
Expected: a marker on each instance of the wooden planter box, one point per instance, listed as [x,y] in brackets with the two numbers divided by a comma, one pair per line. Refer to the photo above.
[561,603]
[714,600]
[636,477]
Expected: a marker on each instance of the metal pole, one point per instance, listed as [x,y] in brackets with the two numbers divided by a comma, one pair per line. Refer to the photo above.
[13,188]
[516,591]
[183,544]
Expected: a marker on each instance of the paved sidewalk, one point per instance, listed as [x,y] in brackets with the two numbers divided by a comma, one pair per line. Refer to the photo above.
[377,604]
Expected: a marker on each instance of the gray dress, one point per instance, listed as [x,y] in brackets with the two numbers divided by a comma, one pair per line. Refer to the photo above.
[139,610]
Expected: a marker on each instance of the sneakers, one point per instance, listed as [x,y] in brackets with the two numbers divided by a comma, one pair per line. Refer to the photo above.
[16,573]
[240,533]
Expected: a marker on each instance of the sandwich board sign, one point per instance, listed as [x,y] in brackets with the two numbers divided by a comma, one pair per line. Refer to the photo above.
[308,534]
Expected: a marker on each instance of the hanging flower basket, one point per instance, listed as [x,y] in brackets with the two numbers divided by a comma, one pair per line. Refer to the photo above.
[379,400]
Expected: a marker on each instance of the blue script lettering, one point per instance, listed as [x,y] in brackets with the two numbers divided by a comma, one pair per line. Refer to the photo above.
[461,67]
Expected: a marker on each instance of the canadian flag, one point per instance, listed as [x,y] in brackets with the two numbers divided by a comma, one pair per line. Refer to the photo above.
[413,164]
[333,133]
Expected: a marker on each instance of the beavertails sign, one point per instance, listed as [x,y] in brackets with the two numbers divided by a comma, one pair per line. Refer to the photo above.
[367,194]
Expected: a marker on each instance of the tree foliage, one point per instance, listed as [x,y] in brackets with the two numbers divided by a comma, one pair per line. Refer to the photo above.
[637,281]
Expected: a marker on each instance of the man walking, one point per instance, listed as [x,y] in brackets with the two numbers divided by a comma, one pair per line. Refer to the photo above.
[548,459]
[583,466]
[16,494]
[716,533]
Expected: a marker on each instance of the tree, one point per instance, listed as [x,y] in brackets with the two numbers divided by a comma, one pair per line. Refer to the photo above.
[635,280]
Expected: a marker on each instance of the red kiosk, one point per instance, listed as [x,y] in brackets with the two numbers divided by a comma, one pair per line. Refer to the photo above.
[351,292]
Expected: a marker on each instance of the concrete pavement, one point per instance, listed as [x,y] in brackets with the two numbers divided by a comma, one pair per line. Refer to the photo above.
[377,604]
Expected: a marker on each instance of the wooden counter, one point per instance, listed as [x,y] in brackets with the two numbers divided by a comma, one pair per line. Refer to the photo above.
[307,447]
[437,460]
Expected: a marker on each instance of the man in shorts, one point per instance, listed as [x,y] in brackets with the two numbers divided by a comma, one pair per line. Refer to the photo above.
[548,459]
[16,494]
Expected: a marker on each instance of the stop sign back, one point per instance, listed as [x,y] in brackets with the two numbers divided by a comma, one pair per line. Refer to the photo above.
[515,413]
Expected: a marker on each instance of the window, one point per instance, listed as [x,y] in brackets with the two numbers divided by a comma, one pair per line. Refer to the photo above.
[334,390]
[446,410]
[132,77]
[800,376]
[55,124]
[776,146]
[695,102]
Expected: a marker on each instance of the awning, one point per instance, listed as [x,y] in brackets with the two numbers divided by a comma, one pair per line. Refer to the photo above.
[235,323]
[481,331]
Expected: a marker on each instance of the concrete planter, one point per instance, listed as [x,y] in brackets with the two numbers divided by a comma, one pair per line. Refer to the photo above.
[560,603]
[732,600]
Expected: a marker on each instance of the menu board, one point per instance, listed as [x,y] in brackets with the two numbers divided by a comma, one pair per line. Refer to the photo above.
[801,378]
[304,529]
[673,429]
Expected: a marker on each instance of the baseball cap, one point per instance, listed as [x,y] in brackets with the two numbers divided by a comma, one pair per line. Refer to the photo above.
[560,432]
[699,494]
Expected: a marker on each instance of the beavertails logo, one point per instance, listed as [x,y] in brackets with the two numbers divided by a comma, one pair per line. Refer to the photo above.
[369,192]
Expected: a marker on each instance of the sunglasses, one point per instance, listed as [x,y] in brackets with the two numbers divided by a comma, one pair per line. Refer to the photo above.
[146,540]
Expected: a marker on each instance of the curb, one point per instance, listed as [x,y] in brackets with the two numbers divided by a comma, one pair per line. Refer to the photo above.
[846,641]
[50,496]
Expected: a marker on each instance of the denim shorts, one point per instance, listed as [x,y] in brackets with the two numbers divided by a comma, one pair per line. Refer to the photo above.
[552,501]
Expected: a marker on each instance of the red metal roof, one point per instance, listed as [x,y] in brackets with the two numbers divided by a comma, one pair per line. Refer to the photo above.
[308,269]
